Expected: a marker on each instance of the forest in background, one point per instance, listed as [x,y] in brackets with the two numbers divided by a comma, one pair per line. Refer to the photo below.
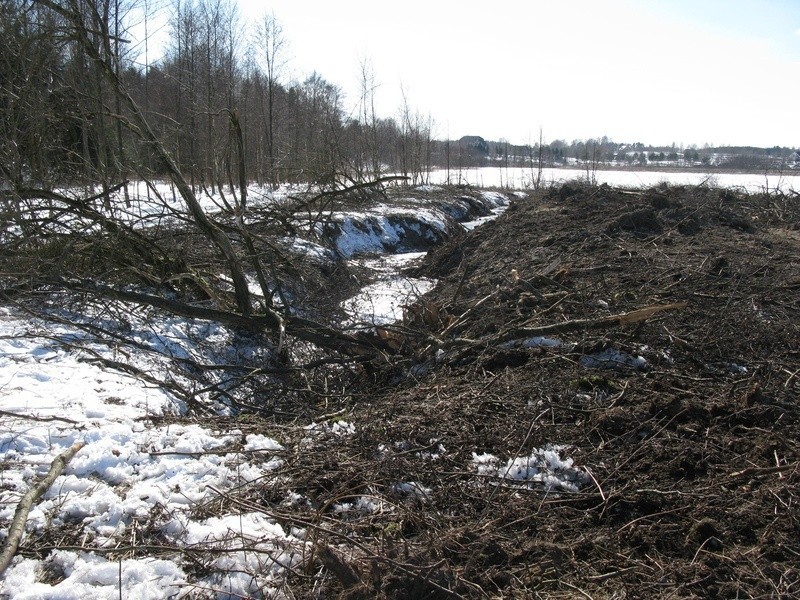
[219,92]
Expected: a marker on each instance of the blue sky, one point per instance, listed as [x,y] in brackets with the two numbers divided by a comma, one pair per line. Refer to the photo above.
[659,71]
[777,22]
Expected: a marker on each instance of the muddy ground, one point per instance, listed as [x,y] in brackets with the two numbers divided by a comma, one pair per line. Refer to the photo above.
[688,458]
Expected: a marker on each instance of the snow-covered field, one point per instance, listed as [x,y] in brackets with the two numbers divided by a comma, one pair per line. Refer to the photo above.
[522,178]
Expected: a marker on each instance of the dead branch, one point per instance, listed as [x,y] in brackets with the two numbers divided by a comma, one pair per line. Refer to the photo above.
[464,345]
[304,329]
[353,188]
[759,471]
[346,574]
[17,527]
[617,320]
[5,413]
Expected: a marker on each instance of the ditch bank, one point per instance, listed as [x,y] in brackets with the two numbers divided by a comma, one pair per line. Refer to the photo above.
[400,224]
[379,240]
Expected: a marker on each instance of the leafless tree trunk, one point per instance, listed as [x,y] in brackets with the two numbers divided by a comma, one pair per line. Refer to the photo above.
[369,120]
[270,45]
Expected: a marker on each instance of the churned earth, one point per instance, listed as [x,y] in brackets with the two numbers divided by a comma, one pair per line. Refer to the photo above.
[605,406]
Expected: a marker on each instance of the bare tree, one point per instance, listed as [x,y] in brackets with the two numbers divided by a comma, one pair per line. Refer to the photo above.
[269,51]
[537,161]
[370,161]
[415,142]
[319,149]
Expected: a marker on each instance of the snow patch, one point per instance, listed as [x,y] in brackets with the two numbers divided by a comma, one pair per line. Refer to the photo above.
[543,468]
[87,575]
[63,393]
[382,303]
[612,359]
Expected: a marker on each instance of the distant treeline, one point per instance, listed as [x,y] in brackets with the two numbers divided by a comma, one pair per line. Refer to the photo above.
[479,152]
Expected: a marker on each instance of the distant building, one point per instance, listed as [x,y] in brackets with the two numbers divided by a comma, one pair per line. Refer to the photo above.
[475,142]
[794,159]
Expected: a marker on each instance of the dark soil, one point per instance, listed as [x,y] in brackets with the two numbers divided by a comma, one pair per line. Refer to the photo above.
[690,459]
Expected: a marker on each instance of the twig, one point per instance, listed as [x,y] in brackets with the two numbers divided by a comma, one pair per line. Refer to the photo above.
[602,495]
[758,471]
[656,514]
[696,554]
[346,574]
[604,576]
[5,413]
[17,527]
[792,376]
[138,549]
[577,589]
[221,452]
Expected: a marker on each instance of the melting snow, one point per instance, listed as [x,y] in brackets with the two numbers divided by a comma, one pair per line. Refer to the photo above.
[611,359]
[385,228]
[87,575]
[498,205]
[382,302]
[544,468]
[127,469]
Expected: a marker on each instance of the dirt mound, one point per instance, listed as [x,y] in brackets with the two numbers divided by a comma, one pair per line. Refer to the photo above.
[653,454]
[642,221]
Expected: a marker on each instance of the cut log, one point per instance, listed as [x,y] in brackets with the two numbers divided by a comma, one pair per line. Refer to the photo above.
[588,324]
